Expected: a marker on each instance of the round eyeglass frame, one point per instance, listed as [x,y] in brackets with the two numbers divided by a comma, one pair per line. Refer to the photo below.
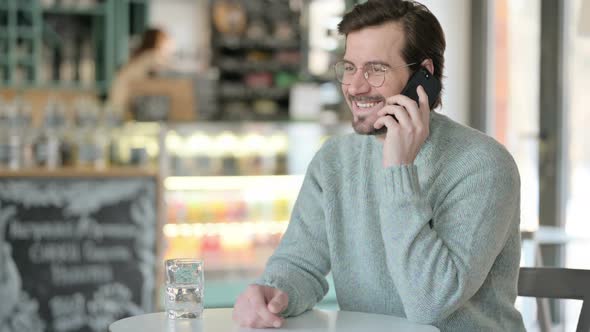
[365,72]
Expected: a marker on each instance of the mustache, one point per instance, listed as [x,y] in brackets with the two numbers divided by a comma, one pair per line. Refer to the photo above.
[366,99]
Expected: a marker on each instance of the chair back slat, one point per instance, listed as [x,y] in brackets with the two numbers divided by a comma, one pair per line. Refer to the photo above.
[584,320]
[558,283]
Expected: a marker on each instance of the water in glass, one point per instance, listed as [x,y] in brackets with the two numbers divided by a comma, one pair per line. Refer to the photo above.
[184,288]
[184,301]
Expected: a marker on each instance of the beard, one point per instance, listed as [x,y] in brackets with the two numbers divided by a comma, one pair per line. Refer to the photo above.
[361,126]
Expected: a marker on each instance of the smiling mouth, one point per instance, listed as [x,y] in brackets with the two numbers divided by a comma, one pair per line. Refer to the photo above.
[364,105]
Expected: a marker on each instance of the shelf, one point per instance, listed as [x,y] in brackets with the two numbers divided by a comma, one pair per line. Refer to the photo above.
[240,91]
[245,43]
[26,61]
[71,10]
[80,172]
[23,6]
[225,183]
[24,32]
[54,86]
[244,66]
[225,229]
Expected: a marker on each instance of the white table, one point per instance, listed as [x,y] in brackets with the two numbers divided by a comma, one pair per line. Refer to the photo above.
[220,320]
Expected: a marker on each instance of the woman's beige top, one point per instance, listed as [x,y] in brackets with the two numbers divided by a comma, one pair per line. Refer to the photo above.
[137,69]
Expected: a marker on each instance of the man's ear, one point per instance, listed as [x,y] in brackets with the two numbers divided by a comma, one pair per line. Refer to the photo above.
[427,63]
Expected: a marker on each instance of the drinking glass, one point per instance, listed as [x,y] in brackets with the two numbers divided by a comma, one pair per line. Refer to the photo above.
[184,288]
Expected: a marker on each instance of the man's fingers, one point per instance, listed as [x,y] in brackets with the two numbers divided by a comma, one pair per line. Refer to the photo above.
[278,303]
[252,307]
[386,121]
[423,98]
[267,318]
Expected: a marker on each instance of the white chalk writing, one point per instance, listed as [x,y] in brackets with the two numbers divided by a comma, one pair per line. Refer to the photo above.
[82,274]
[69,312]
[40,230]
[84,228]
[76,197]
[111,253]
[48,252]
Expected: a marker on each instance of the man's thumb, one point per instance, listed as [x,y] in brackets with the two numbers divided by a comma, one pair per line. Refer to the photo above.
[278,303]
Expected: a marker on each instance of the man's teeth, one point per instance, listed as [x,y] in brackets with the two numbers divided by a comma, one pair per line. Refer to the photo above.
[365,105]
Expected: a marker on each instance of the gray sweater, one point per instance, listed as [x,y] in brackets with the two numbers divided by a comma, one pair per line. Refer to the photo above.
[437,241]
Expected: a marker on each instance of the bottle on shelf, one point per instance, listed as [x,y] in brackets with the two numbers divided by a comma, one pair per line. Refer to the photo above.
[91,140]
[10,137]
[50,148]
[87,65]
[46,72]
[112,122]
[67,67]
[203,160]
[226,144]
[25,127]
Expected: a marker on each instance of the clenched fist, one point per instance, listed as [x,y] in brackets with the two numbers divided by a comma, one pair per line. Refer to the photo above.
[260,306]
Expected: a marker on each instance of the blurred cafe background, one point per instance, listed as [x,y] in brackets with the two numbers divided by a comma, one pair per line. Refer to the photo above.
[112,161]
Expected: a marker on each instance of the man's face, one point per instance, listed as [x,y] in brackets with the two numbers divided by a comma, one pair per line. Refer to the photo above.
[381,44]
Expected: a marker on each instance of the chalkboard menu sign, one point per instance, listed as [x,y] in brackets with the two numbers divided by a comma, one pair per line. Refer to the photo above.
[84,249]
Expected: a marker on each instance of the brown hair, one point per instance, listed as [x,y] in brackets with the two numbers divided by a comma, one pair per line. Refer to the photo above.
[424,37]
[151,39]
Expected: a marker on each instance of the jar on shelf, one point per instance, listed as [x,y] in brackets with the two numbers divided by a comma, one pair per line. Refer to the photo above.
[91,139]
[52,147]
[112,122]
[10,137]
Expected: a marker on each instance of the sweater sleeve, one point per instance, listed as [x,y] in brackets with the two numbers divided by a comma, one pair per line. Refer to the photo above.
[301,262]
[439,259]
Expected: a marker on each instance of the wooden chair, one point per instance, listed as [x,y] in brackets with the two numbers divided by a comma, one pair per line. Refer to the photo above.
[557,283]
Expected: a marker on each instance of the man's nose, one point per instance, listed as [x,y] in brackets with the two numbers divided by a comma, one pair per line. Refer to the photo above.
[359,84]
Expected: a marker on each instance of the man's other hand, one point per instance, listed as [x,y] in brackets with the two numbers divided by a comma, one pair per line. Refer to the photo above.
[260,306]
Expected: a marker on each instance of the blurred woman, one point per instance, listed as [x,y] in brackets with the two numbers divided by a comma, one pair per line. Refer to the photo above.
[151,56]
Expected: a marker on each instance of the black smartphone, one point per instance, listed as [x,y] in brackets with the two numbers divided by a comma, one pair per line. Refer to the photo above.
[429,82]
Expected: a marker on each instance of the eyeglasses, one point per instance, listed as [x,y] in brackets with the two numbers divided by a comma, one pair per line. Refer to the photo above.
[374,73]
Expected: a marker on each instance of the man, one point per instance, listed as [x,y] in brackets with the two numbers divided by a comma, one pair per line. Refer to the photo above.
[415,215]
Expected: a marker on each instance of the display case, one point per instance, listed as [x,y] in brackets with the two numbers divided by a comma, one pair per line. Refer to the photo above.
[229,191]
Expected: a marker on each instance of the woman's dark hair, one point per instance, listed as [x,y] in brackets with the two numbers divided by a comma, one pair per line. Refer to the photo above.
[151,39]
[424,37]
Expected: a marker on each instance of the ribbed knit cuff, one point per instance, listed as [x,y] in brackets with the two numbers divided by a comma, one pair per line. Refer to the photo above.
[401,181]
[280,283]
[404,207]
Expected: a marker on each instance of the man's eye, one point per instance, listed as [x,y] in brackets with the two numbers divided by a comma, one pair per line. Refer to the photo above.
[349,68]
[378,68]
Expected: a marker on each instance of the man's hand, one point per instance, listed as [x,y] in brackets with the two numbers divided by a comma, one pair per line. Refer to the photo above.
[260,306]
[404,137]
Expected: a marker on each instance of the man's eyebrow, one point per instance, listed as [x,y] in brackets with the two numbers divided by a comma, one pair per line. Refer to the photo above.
[377,62]
[374,62]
